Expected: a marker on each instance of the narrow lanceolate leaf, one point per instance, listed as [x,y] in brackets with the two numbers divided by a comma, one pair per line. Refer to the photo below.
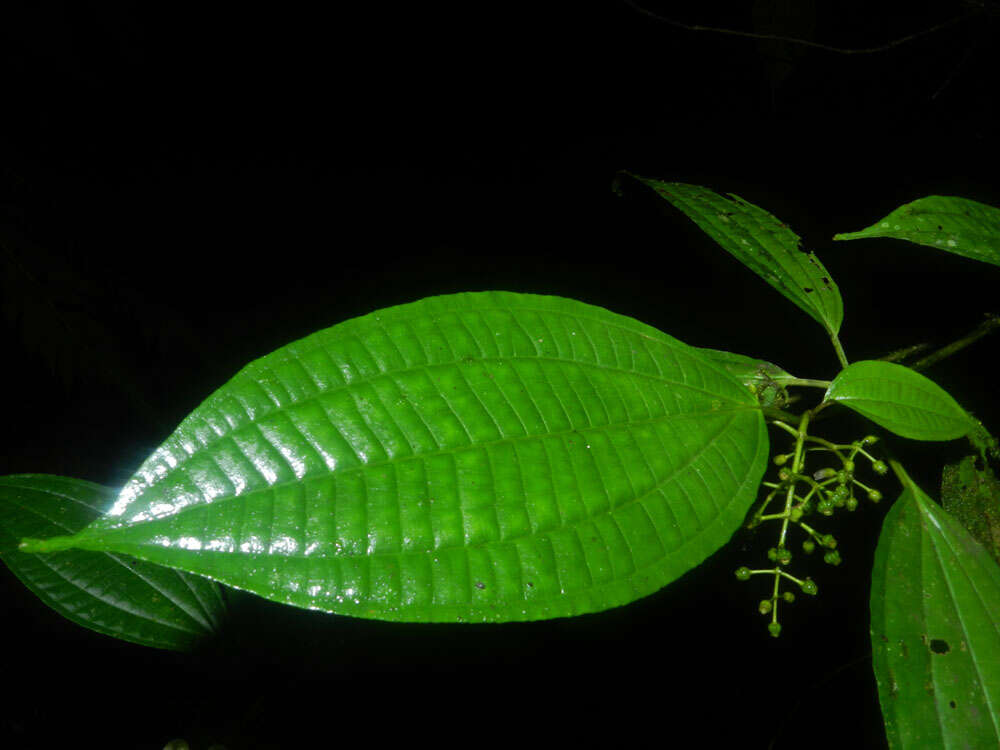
[471,457]
[956,225]
[900,400]
[763,244]
[935,626]
[116,595]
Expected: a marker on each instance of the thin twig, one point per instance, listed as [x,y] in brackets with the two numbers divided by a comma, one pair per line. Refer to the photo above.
[992,323]
[804,42]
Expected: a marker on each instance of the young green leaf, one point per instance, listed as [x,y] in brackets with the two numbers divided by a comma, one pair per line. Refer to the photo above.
[955,225]
[748,370]
[763,244]
[764,379]
[112,594]
[901,400]
[935,629]
[471,457]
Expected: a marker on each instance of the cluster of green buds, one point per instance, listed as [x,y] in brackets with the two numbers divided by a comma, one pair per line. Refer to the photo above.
[823,491]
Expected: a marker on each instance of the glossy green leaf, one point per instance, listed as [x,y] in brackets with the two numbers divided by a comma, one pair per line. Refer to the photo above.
[935,627]
[955,225]
[471,457]
[116,595]
[763,244]
[900,400]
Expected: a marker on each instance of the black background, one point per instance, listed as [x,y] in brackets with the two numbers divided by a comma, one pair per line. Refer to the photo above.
[184,189]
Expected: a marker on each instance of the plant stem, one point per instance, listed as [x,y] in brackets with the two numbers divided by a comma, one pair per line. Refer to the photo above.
[992,323]
[838,348]
[806,382]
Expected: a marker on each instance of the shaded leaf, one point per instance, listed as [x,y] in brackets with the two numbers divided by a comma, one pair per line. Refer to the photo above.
[116,595]
[763,244]
[935,627]
[900,400]
[956,225]
[972,495]
[485,456]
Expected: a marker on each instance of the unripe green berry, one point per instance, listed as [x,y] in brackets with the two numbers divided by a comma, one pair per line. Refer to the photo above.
[784,475]
[839,495]
[764,607]
[809,587]
[781,459]
[869,440]
[743,573]
[825,507]
[784,556]
[874,495]
[828,540]
[879,467]
[772,554]
[832,558]
[808,546]
[788,596]
[852,503]
[843,477]
[849,466]
[795,515]
[774,629]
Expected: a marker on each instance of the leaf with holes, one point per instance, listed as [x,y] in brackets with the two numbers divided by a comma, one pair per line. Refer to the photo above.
[956,225]
[763,244]
[935,628]
[107,592]
[471,457]
[901,400]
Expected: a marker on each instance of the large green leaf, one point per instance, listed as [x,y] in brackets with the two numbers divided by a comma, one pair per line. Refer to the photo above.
[471,457]
[956,225]
[935,626]
[901,400]
[112,594]
[763,244]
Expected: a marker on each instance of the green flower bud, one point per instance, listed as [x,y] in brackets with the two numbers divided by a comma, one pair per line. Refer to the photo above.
[822,474]
[880,467]
[827,540]
[825,507]
[852,503]
[874,496]
[764,607]
[781,459]
[843,477]
[839,495]
[774,629]
[808,546]
[795,515]
[784,475]
[849,466]
[832,558]
[869,440]
[743,573]
[772,554]
[809,587]
[788,596]
[784,556]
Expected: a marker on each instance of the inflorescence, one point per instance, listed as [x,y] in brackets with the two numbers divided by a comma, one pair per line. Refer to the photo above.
[823,491]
